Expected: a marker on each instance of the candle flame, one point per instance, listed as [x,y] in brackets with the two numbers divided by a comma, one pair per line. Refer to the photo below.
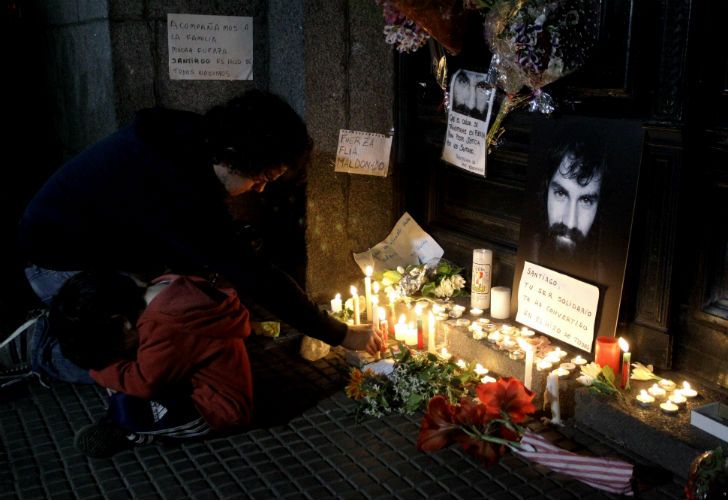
[369,271]
[643,393]
[623,344]
[444,351]
[686,385]
[338,296]
[375,287]
[352,290]
[418,309]
[382,313]
[402,319]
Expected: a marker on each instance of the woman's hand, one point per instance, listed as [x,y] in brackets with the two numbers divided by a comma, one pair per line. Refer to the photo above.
[363,338]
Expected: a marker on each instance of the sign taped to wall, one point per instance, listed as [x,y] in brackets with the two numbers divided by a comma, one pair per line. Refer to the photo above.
[364,153]
[210,47]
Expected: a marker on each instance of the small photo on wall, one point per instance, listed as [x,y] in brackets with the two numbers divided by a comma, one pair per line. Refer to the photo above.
[579,205]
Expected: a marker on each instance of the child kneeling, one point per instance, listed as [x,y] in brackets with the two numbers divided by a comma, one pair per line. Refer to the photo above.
[172,356]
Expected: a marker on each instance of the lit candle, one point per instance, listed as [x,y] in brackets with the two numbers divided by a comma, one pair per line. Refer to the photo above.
[500,302]
[544,365]
[559,353]
[420,327]
[375,289]
[528,374]
[667,384]
[607,353]
[476,312]
[561,372]
[644,399]
[669,407]
[527,332]
[355,303]
[677,398]
[383,327]
[480,369]
[553,357]
[578,360]
[508,343]
[656,391]
[400,329]
[444,354]
[626,360]
[552,395]
[568,366]
[431,332]
[495,336]
[457,311]
[368,290]
[462,322]
[336,304]
[411,335]
[462,364]
[688,391]
[487,379]
[375,309]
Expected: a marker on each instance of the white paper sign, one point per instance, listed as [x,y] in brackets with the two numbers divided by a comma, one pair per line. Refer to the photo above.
[363,153]
[557,305]
[465,143]
[210,47]
[406,244]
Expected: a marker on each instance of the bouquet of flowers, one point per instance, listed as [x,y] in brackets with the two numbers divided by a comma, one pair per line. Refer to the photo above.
[484,427]
[440,279]
[417,377]
[599,379]
[404,33]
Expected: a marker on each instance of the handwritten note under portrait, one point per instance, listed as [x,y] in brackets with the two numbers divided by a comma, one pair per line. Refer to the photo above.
[406,244]
[363,153]
[557,305]
[210,47]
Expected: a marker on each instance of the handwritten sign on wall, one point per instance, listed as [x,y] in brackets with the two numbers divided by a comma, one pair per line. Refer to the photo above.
[363,153]
[465,143]
[210,47]
[557,305]
[406,244]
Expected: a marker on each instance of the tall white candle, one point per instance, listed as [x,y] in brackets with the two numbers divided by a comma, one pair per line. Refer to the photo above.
[368,291]
[528,375]
[355,303]
[411,334]
[400,329]
[500,302]
[336,303]
[480,284]
[431,332]
[552,392]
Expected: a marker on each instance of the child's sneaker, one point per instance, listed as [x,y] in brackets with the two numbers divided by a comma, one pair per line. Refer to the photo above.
[15,351]
[103,440]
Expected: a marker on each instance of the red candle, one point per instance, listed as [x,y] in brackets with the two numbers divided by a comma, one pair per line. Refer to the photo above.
[420,334]
[607,353]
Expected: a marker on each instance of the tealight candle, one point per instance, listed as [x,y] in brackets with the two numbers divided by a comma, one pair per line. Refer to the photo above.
[462,364]
[508,343]
[457,311]
[688,391]
[476,311]
[561,372]
[644,399]
[527,332]
[480,369]
[656,391]
[544,365]
[487,379]
[462,322]
[667,384]
[494,337]
[568,366]
[484,321]
[506,328]
[553,357]
[669,407]
[516,354]
[477,333]
[444,354]
[677,398]
[578,360]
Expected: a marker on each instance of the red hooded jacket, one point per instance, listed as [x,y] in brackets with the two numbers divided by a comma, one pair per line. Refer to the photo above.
[191,332]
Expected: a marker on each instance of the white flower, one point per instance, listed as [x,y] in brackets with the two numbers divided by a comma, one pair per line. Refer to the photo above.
[585,380]
[642,372]
[444,289]
[591,370]
[457,282]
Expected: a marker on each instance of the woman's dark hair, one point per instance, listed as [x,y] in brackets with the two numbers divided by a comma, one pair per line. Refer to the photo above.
[255,132]
[87,316]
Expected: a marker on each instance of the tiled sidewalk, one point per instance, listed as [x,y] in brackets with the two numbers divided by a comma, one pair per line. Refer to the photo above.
[323,452]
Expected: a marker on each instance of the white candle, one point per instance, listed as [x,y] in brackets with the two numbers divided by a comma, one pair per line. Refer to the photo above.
[368,290]
[431,332]
[669,407]
[527,332]
[456,311]
[336,303]
[552,390]
[688,391]
[411,335]
[578,360]
[487,379]
[375,310]
[476,312]
[444,354]
[400,329]
[544,365]
[462,364]
[656,391]
[495,336]
[677,398]
[355,303]
[667,384]
[480,369]
[528,374]
[568,366]
[644,399]
[562,372]
[500,302]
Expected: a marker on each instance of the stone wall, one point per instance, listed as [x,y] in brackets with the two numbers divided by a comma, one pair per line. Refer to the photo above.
[349,84]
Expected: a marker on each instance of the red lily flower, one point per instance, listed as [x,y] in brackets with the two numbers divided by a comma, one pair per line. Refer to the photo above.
[438,426]
[508,395]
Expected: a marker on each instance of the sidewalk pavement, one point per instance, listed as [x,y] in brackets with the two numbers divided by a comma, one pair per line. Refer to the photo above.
[307,444]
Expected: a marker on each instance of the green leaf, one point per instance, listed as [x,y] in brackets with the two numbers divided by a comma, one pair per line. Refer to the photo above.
[608,374]
[429,289]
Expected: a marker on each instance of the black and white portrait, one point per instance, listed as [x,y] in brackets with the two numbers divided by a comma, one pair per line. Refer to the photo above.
[470,94]
[579,202]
